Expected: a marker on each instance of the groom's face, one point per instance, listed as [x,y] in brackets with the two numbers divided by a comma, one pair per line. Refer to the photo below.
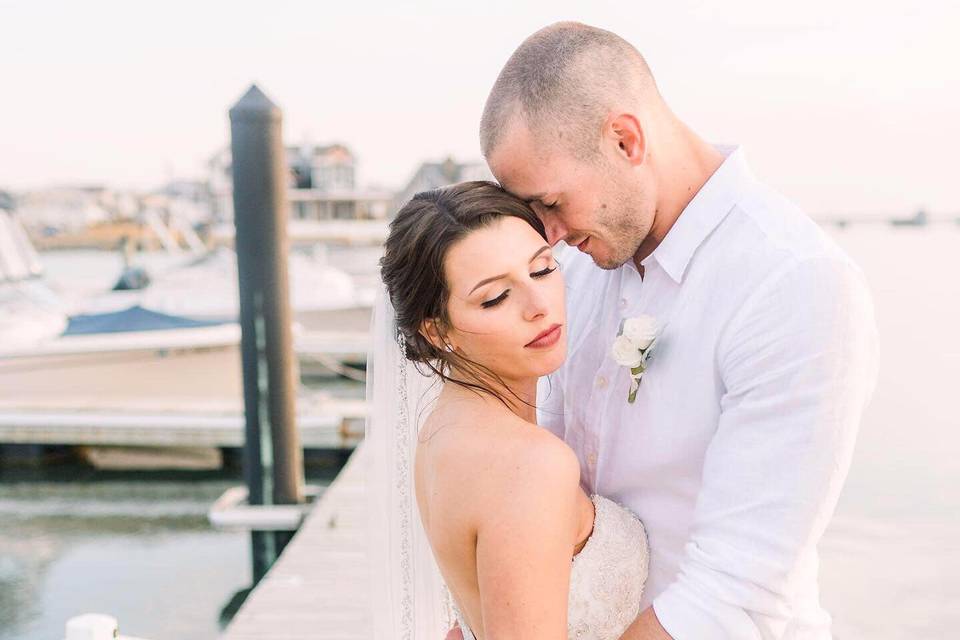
[594,206]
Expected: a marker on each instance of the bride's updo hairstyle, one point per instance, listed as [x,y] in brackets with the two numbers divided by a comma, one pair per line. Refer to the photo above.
[412,268]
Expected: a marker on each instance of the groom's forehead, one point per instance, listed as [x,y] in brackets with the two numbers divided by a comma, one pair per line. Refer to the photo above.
[533,186]
[528,180]
[531,177]
[518,160]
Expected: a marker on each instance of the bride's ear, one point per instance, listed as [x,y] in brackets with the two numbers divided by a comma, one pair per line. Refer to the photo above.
[430,329]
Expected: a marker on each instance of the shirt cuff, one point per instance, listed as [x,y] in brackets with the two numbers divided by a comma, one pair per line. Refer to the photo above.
[686,616]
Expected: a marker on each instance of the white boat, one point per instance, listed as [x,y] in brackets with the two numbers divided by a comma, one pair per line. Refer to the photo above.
[331,313]
[121,367]
[206,288]
[44,351]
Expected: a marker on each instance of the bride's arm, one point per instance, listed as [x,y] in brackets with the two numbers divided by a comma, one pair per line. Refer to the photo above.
[525,542]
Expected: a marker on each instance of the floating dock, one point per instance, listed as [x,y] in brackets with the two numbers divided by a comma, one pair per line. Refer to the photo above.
[318,589]
[329,423]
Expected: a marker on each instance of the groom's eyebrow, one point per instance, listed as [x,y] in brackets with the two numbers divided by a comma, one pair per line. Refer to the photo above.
[503,275]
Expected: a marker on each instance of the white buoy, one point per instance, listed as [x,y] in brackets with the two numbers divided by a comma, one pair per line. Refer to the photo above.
[92,626]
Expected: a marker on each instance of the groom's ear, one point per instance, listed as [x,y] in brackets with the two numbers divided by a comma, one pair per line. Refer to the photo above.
[625,133]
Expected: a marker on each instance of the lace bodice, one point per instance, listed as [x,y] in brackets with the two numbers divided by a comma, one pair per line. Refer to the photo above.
[607,576]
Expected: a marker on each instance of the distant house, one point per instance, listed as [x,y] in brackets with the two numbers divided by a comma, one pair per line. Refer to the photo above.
[331,168]
[432,175]
[321,182]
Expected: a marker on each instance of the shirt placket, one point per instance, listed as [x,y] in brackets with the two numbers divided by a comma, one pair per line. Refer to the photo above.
[604,381]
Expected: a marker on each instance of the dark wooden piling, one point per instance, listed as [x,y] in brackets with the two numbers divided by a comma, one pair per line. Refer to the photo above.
[273,460]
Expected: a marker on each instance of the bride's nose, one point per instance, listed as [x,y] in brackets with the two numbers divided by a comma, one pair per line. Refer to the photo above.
[536,306]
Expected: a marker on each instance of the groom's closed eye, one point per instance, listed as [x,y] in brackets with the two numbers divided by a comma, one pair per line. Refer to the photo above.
[540,204]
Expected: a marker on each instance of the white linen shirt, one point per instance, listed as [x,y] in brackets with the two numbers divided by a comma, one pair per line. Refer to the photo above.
[735,450]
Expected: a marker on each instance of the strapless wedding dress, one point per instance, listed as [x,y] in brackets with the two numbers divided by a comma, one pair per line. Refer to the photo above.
[607,576]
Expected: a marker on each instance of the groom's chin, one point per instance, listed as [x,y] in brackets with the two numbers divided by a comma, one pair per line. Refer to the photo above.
[604,262]
[599,258]
[602,257]
[607,266]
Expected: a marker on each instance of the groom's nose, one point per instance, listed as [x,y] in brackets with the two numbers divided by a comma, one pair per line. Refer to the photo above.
[556,230]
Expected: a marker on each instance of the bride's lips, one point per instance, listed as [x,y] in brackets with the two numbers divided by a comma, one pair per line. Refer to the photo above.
[546,339]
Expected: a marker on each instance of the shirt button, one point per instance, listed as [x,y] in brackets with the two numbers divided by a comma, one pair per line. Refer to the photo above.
[602,382]
[623,303]
[592,458]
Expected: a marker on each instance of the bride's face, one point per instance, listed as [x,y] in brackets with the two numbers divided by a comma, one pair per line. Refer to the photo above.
[506,303]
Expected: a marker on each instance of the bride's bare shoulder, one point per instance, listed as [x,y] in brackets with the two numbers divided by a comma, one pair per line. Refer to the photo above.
[495,449]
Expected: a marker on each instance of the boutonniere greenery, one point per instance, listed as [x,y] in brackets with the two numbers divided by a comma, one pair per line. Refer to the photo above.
[633,348]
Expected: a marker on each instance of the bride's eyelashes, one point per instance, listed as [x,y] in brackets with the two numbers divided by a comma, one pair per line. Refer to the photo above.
[545,272]
[503,296]
[492,303]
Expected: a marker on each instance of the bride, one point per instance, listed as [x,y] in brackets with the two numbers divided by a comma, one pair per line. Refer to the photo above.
[473,315]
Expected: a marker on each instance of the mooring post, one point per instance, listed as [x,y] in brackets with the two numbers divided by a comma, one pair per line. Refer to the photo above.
[273,459]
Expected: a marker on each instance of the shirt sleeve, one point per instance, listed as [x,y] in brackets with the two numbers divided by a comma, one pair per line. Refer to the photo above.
[798,364]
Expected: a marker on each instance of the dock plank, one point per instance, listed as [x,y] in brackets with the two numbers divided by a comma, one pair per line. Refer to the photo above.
[319,587]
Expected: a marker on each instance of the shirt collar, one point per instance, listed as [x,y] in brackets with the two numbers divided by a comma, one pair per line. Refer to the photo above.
[703,214]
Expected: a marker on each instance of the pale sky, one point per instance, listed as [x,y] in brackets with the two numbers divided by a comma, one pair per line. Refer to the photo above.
[847,107]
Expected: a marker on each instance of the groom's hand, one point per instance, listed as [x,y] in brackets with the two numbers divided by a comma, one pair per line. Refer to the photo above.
[455,633]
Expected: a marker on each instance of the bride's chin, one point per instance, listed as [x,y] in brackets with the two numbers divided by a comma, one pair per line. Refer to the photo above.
[550,362]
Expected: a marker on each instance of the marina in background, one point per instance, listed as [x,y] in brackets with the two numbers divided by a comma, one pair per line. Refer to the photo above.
[889,546]
[120,364]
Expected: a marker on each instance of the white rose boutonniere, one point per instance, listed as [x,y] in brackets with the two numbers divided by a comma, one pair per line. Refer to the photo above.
[633,348]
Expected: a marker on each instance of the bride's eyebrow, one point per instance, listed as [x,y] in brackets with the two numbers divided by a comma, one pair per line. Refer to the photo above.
[503,275]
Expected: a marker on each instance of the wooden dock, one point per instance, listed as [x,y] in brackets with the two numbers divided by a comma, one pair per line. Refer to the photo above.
[318,588]
[327,423]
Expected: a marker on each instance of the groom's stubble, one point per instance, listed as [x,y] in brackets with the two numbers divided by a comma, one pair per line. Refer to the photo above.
[625,217]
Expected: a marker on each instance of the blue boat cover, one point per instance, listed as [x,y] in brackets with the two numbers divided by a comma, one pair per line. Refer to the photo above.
[135,318]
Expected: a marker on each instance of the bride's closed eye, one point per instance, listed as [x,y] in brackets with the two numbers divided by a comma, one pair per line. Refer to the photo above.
[503,296]
[545,272]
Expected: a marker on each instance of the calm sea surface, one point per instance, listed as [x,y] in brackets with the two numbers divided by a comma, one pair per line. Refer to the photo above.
[142,550]
[890,559]
[136,546]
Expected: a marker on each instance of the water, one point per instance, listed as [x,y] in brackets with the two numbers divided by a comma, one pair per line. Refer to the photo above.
[137,546]
[890,563]
[134,545]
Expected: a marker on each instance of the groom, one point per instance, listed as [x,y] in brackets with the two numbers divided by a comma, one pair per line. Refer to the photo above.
[740,437]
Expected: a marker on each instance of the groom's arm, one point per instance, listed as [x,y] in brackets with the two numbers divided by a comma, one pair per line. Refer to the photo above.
[798,363]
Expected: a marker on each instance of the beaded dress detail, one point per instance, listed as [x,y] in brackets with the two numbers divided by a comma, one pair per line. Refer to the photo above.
[607,576]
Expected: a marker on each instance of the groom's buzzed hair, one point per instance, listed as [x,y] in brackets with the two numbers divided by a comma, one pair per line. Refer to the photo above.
[563,80]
